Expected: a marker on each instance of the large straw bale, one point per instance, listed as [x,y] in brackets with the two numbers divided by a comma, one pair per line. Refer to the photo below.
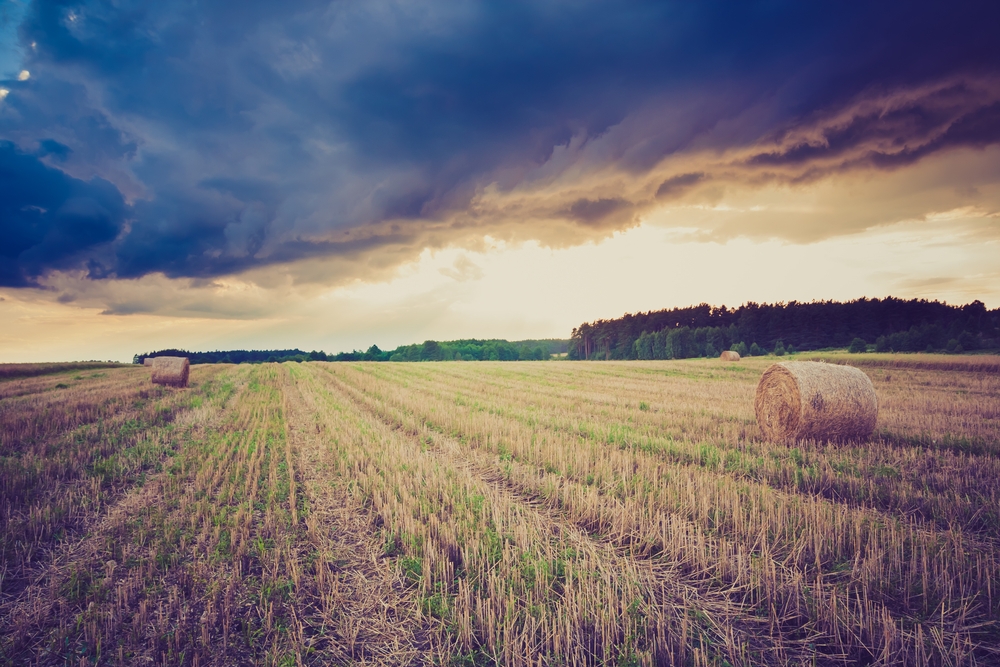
[729,355]
[800,400]
[148,361]
[171,371]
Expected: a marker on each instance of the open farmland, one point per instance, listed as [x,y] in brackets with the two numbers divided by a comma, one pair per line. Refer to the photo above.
[522,513]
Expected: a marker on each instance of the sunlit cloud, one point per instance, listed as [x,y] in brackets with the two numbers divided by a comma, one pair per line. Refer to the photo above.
[462,270]
[517,291]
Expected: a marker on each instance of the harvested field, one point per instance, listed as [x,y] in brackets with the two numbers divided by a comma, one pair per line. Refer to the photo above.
[11,371]
[521,513]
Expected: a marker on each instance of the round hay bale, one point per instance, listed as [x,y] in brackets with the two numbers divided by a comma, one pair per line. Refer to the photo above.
[148,361]
[729,355]
[171,371]
[800,400]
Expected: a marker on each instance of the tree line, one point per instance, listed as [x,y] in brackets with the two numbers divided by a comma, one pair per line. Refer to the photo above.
[430,350]
[234,356]
[469,350]
[886,325]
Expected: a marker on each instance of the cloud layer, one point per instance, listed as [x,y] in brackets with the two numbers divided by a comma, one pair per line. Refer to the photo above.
[337,140]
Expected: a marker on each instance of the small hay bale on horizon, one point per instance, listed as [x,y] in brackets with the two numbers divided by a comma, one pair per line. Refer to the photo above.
[730,355]
[148,361]
[809,400]
[171,371]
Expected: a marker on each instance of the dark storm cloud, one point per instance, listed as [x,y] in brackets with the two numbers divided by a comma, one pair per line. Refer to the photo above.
[896,132]
[677,184]
[250,133]
[49,219]
[51,147]
[592,212]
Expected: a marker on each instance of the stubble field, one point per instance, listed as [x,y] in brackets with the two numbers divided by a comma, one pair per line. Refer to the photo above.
[518,513]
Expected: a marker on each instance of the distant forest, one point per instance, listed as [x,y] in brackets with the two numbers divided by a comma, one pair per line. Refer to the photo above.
[885,325]
[453,350]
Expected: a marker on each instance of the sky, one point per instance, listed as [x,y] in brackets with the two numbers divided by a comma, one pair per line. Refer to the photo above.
[329,175]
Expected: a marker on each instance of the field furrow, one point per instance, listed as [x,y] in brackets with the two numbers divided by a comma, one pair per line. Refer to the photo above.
[363,610]
[512,581]
[79,520]
[943,487]
[52,487]
[492,514]
[206,564]
[869,562]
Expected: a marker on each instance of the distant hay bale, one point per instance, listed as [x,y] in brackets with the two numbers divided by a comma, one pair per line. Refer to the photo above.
[171,371]
[148,361]
[729,355]
[800,400]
